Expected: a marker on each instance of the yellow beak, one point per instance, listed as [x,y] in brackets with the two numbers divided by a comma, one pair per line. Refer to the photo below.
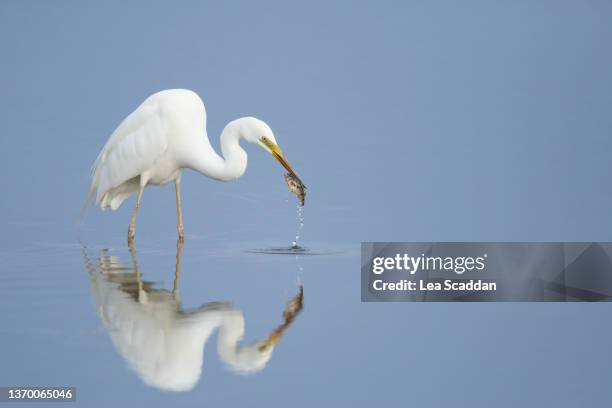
[278,155]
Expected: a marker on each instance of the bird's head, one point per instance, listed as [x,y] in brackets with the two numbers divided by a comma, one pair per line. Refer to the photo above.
[258,132]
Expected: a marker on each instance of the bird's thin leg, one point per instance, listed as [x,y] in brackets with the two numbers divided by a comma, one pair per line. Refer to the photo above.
[179,212]
[177,270]
[132,226]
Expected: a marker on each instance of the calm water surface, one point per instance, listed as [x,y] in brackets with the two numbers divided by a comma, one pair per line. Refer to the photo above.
[207,322]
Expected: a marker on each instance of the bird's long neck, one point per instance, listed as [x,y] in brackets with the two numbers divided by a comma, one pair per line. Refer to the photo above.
[235,157]
[232,165]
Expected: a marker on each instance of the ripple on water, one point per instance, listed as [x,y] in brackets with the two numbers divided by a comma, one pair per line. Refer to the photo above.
[292,250]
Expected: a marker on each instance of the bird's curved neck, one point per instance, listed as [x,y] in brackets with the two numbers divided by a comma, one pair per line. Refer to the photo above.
[235,157]
[229,167]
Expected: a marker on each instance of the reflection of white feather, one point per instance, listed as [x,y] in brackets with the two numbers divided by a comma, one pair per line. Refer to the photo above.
[162,343]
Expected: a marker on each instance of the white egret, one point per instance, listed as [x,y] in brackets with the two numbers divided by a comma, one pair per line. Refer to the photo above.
[164,135]
[163,343]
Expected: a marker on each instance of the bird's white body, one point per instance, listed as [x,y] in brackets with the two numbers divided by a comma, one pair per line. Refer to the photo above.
[164,135]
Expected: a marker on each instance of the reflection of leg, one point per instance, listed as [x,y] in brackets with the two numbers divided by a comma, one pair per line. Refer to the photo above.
[132,249]
[177,270]
[132,226]
[89,264]
[179,212]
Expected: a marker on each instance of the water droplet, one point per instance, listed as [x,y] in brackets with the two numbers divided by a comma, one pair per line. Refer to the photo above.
[300,217]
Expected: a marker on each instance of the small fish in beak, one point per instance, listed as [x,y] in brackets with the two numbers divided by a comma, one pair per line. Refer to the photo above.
[296,187]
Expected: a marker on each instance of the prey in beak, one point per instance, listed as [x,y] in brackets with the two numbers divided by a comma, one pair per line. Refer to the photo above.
[294,183]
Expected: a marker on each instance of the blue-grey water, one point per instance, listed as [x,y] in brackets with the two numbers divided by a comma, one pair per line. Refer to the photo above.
[410,121]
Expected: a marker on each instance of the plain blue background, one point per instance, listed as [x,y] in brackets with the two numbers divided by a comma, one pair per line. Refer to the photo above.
[409,121]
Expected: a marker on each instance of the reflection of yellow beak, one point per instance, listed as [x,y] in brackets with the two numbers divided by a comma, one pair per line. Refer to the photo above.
[292,309]
[275,337]
[278,155]
[271,340]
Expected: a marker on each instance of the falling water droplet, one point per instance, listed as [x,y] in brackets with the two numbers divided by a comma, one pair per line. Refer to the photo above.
[300,217]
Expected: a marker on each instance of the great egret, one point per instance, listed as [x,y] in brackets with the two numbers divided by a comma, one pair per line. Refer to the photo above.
[163,343]
[164,135]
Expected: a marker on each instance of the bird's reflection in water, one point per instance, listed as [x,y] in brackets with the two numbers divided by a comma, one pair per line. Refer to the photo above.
[162,342]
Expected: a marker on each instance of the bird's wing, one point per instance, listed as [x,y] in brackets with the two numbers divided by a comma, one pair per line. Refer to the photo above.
[132,148]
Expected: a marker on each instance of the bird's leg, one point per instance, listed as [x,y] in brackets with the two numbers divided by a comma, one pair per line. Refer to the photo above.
[177,270]
[179,212]
[132,226]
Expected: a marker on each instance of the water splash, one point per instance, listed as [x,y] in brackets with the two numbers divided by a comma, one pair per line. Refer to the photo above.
[295,248]
[300,218]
